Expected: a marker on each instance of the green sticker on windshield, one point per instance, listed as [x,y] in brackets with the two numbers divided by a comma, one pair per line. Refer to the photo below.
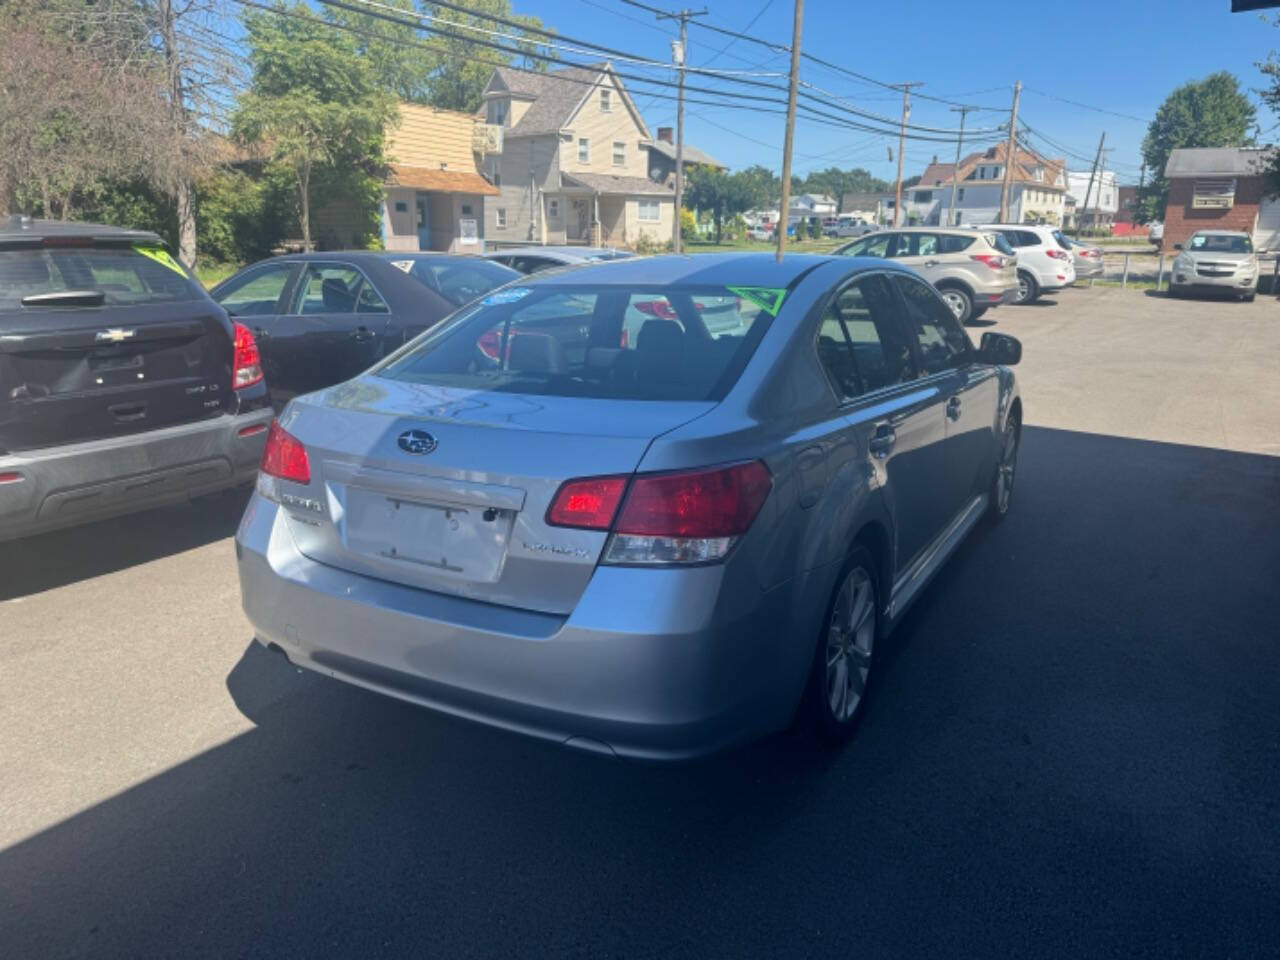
[768,299]
[161,256]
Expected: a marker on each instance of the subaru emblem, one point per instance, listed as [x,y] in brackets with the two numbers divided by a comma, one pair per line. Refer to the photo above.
[416,441]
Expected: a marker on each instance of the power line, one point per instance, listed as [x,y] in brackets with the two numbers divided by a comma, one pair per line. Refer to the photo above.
[1087,106]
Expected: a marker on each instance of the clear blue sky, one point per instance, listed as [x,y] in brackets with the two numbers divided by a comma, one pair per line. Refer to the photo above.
[1121,55]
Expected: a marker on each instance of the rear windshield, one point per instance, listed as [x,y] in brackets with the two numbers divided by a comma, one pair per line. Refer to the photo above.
[1220,243]
[123,275]
[461,281]
[1064,241]
[607,342]
[998,241]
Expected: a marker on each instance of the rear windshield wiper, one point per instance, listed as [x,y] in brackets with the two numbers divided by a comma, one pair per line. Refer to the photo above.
[66,298]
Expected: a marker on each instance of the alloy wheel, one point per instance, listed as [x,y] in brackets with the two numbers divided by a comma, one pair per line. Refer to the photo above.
[957,302]
[850,637]
[1024,288]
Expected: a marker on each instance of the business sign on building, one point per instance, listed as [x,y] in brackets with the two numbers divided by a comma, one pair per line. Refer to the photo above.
[1214,195]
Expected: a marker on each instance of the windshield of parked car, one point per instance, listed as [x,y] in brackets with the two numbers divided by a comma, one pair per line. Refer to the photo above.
[461,280]
[123,275]
[1220,243]
[607,342]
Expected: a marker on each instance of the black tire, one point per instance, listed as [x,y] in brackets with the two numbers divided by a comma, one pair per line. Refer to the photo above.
[978,312]
[1028,288]
[958,300]
[1248,297]
[817,709]
[998,507]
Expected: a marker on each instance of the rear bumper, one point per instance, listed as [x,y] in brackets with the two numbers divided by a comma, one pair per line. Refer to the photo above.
[81,482]
[649,664]
[1089,268]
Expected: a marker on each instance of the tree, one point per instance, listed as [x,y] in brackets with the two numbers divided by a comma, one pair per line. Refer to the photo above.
[722,194]
[1271,97]
[315,109]
[1212,112]
[428,67]
[838,183]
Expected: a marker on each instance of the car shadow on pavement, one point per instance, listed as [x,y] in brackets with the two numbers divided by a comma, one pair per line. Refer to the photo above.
[56,559]
[1071,741]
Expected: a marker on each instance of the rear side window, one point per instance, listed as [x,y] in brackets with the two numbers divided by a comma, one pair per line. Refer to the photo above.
[328,288]
[122,274]
[954,243]
[877,245]
[608,342]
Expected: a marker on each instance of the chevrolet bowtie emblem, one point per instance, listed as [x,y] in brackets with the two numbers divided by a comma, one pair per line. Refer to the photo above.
[114,335]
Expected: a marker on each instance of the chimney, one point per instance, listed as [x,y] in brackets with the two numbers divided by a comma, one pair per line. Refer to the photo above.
[664,134]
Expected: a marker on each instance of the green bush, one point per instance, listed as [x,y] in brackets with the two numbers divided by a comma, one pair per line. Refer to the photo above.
[688,225]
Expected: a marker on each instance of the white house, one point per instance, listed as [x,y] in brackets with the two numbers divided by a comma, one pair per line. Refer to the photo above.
[808,205]
[1036,193]
[1104,197]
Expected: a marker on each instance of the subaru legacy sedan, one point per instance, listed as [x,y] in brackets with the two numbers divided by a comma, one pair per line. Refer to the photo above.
[649,544]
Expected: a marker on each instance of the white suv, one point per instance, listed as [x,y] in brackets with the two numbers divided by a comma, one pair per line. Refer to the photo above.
[1043,265]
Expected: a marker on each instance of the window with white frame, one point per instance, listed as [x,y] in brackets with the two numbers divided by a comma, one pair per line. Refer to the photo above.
[584,150]
[1214,195]
[619,153]
[500,217]
[606,101]
[553,209]
[649,210]
[498,113]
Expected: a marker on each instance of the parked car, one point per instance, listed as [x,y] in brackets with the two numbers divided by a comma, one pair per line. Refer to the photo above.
[847,225]
[1086,258]
[122,385]
[533,259]
[1044,264]
[321,318]
[653,550]
[974,270]
[1216,261]
[761,232]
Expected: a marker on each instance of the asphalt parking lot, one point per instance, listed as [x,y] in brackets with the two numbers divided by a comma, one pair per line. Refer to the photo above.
[1072,749]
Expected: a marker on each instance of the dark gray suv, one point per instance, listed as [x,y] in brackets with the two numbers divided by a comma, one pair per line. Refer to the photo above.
[122,385]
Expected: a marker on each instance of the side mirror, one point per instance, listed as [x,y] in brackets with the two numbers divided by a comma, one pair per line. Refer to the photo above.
[1177,246]
[1000,348]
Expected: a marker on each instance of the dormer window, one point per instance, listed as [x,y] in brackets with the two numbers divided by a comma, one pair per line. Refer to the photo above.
[1037,173]
[606,101]
[498,112]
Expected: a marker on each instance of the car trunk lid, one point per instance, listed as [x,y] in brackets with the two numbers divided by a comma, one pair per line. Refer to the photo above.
[73,374]
[447,489]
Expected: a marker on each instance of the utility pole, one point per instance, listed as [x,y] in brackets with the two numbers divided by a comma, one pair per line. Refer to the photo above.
[902,142]
[184,192]
[1011,154]
[1089,189]
[1137,200]
[679,54]
[783,217]
[955,173]
[1102,181]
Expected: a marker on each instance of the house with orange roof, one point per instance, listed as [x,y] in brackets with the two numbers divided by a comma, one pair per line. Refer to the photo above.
[1036,194]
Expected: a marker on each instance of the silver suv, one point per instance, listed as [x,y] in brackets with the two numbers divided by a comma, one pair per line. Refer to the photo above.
[974,270]
[1216,261]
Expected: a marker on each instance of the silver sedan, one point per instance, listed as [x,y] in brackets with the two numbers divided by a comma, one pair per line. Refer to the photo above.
[650,543]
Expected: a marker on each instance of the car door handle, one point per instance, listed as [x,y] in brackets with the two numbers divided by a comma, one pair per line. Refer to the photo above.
[361,334]
[882,441]
[953,408]
[261,333]
[932,263]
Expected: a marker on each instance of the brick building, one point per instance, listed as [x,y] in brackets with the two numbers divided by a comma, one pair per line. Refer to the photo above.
[1220,187]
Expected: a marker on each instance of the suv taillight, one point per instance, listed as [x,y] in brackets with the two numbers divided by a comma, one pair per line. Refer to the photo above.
[993,260]
[691,516]
[1058,254]
[284,456]
[247,367]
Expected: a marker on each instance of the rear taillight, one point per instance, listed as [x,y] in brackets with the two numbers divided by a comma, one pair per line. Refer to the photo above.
[284,456]
[588,504]
[1058,254]
[247,368]
[993,260]
[11,476]
[692,516]
[656,308]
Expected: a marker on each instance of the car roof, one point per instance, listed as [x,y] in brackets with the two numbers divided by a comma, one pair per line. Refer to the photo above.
[25,228]
[1222,233]
[710,269]
[568,254]
[379,255]
[964,230]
